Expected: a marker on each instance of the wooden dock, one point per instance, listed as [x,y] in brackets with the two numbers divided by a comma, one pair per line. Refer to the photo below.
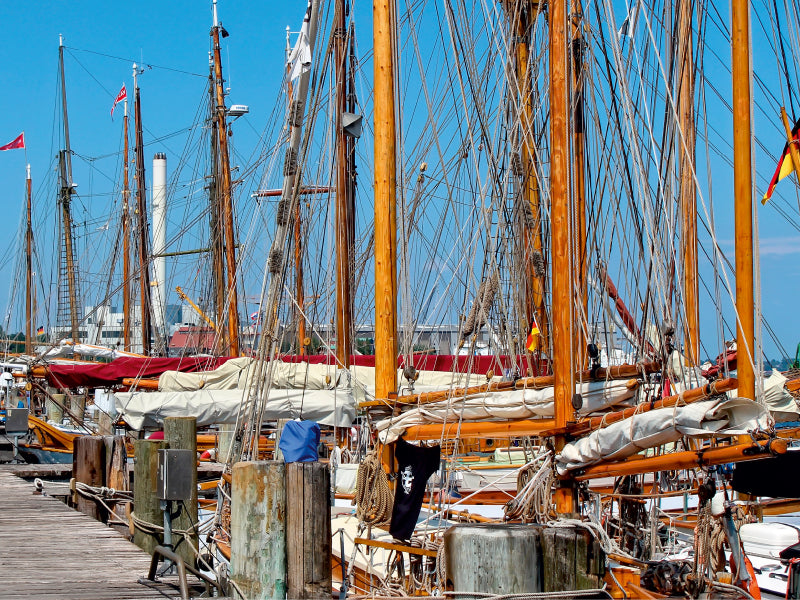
[48,550]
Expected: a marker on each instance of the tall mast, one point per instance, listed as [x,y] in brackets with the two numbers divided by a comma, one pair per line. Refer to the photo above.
[743,195]
[344,301]
[561,228]
[384,15]
[141,207]
[687,193]
[66,188]
[126,240]
[226,201]
[299,291]
[532,252]
[579,179]
[28,268]
[217,243]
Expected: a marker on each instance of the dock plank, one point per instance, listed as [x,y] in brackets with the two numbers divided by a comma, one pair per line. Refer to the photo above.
[50,550]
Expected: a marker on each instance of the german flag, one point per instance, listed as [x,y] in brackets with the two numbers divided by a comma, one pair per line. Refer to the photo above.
[530,343]
[785,166]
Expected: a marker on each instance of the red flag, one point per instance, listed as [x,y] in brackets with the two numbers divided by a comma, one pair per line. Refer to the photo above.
[123,95]
[19,142]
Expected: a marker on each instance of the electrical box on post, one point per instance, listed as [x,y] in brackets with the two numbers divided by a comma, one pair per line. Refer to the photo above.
[175,468]
[16,420]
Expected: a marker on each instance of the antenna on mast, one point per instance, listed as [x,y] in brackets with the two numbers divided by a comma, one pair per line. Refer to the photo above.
[214,9]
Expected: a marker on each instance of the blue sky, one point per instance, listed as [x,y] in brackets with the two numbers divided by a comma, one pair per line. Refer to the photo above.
[173,38]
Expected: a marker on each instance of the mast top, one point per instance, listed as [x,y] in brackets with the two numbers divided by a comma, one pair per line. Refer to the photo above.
[214,8]
[60,40]
[28,170]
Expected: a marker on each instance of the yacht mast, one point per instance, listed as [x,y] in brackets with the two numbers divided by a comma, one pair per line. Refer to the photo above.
[126,240]
[579,177]
[687,192]
[344,301]
[65,198]
[743,195]
[384,15]
[561,228]
[141,207]
[215,224]
[28,267]
[225,199]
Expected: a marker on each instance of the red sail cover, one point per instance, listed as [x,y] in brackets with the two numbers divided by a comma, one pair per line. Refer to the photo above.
[108,374]
[439,362]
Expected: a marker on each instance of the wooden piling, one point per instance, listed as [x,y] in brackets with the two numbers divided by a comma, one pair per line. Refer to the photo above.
[145,481]
[116,468]
[308,530]
[279,425]
[258,529]
[477,558]
[77,406]
[573,559]
[55,407]
[89,466]
[180,433]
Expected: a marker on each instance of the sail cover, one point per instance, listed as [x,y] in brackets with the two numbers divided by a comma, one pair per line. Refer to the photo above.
[720,416]
[515,404]
[334,407]
[108,374]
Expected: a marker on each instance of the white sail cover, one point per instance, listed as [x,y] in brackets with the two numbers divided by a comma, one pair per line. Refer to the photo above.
[237,373]
[334,407]
[707,418]
[513,404]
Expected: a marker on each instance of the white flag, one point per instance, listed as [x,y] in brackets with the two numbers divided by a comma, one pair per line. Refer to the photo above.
[628,27]
[300,58]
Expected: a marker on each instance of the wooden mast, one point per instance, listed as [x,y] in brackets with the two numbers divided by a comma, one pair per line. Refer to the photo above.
[385,200]
[532,253]
[561,226]
[141,208]
[344,302]
[687,193]
[215,226]
[65,200]
[743,195]
[126,240]
[28,267]
[226,202]
[581,259]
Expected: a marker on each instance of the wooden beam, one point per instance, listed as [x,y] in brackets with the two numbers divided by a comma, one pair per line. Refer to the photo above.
[689,459]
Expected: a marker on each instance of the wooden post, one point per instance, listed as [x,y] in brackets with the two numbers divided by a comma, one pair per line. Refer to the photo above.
[258,529]
[573,559]
[89,466]
[477,558]
[277,454]
[55,407]
[180,433]
[145,480]
[308,530]
[116,467]
[226,433]
[77,406]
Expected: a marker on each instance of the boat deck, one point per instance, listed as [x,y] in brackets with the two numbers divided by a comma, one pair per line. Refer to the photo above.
[48,550]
